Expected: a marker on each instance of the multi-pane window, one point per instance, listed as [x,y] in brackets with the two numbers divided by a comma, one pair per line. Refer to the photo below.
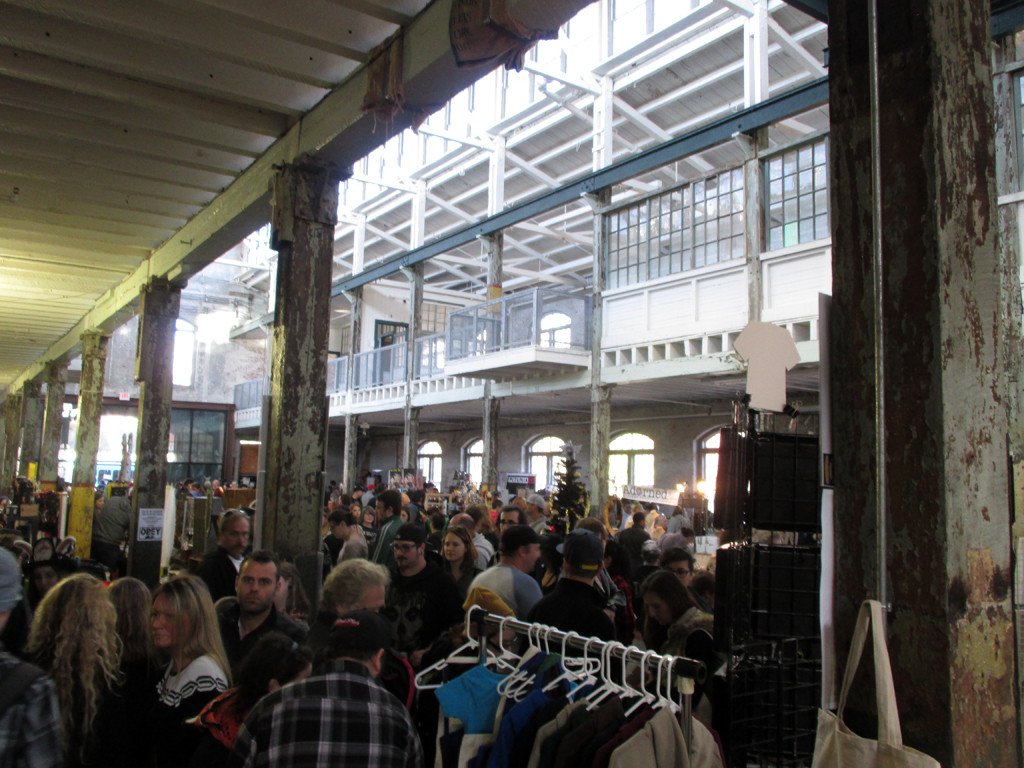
[433,318]
[685,228]
[630,461]
[428,460]
[797,195]
[473,461]
[544,456]
[707,464]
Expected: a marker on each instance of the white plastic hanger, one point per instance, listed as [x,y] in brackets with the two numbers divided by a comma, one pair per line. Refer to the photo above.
[645,696]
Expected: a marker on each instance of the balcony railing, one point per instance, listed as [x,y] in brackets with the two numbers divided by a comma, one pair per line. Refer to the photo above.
[337,375]
[430,356]
[249,394]
[380,367]
[540,318]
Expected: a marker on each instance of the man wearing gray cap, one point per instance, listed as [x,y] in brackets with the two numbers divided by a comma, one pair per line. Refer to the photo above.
[29,723]
[537,509]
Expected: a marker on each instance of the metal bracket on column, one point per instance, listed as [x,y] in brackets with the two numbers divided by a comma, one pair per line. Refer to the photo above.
[593,199]
[303,190]
[747,143]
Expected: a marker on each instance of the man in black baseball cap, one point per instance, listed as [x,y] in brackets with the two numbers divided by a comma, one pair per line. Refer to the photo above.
[574,604]
[340,716]
[422,601]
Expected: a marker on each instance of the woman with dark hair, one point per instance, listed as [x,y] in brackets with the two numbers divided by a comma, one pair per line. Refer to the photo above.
[550,560]
[290,597]
[460,558]
[674,625]
[139,675]
[273,662]
[73,640]
[186,632]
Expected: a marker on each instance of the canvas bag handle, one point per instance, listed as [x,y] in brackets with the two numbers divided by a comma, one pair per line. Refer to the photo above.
[885,693]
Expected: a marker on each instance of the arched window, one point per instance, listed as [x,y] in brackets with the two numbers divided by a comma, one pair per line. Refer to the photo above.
[473,461]
[556,330]
[630,461]
[707,464]
[428,459]
[543,457]
[184,353]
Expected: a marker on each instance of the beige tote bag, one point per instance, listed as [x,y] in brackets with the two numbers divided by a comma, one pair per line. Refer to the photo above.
[838,747]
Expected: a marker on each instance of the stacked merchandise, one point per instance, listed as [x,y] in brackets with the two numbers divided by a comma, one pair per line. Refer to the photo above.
[766,597]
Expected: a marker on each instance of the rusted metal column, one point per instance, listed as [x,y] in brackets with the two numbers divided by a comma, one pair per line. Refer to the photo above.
[600,394]
[941,300]
[411,437]
[56,381]
[349,478]
[495,248]
[600,436]
[753,213]
[87,439]
[1011,217]
[305,213]
[492,408]
[31,428]
[154,369]
[12,425]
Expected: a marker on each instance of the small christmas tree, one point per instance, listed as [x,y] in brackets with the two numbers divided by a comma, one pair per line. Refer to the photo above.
[569,502]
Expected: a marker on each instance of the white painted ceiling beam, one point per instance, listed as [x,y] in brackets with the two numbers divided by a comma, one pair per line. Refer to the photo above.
[791,46]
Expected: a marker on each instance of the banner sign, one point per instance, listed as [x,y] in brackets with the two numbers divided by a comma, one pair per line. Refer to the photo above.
[654,495]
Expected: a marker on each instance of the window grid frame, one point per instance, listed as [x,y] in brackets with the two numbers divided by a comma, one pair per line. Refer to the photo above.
[658,236]
[791,202]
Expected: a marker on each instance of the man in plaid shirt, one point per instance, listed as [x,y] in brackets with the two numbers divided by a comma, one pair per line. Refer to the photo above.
[29,723]
[340,716]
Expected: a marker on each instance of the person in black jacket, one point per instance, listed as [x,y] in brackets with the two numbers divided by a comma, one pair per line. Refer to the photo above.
[574,604]
[244,622]
[220,567]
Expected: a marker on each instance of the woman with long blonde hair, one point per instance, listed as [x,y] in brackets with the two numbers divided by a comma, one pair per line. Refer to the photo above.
[185,631]
[73,639]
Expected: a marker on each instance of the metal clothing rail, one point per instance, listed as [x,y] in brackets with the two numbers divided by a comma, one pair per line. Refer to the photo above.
[680,667]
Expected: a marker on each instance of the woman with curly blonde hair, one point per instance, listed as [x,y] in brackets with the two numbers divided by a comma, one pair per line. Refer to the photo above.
[185,631]
[73,639]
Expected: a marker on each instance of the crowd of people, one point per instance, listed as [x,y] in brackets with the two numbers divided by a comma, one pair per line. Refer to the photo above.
[235,665]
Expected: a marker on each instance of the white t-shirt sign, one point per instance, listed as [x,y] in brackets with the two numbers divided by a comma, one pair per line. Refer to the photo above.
[769,352]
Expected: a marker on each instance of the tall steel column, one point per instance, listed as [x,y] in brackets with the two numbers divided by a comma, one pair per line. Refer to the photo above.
[154,370]
[922,356]
[600,394]
[56,381]
[304,217]
[87,439]
[12,425]
[411,435]
[31,427]
[492,409]
[350,471]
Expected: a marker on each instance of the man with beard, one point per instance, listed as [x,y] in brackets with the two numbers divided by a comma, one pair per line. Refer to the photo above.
[244,622]
[422,600]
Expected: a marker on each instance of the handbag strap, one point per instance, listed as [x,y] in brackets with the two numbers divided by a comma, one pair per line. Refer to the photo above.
[889,731]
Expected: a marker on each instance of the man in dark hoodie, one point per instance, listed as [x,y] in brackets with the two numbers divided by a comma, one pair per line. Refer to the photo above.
[422,600]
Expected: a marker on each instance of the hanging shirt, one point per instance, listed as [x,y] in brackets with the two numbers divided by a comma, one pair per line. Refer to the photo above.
[472,698]
[769,351]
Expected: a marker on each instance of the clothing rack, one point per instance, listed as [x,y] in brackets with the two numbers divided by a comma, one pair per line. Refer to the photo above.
[690,671]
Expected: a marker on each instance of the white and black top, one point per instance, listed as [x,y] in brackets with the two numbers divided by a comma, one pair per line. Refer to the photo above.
[179,697]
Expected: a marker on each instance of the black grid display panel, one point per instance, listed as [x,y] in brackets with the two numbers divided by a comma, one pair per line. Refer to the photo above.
[767,705]
[784,489]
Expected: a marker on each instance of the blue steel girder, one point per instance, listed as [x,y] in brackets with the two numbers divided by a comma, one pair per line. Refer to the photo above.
[760,115]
